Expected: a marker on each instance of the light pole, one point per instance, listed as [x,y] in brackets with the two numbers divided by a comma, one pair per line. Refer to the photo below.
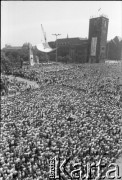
[56,45]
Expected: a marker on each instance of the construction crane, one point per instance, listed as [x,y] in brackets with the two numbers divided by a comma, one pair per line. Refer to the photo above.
[44,33]
[45,44]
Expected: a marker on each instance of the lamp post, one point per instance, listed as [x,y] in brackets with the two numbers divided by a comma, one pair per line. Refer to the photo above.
[56,45]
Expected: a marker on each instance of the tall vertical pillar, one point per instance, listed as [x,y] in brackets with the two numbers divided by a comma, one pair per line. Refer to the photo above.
[98,30]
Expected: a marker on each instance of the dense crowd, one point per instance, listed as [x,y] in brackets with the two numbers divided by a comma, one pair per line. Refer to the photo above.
[45,73]
[80,118]
[11,86]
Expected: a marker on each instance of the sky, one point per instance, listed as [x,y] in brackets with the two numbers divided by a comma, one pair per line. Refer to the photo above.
[21,20]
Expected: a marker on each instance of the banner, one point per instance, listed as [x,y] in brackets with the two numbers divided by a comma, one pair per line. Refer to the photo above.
[93,46]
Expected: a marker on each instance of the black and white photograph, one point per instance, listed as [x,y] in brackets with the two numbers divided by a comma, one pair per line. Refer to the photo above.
[61,90]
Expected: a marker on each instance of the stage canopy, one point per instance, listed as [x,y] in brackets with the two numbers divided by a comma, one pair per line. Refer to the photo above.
[44,47]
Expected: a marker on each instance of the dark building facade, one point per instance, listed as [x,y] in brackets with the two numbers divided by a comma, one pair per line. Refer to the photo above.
[114,49]
[98,29]
[82,50]
[76,48]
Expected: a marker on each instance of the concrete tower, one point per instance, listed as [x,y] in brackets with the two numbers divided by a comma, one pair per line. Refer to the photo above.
[98,29]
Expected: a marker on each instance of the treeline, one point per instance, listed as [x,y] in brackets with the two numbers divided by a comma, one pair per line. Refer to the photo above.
[6,64]
[15,57]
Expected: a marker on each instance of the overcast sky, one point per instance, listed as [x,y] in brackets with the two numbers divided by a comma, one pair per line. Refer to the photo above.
[21,20]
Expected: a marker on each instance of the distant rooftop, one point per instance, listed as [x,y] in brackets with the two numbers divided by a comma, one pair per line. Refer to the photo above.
[118,38]
[101,15]
[12,47]
[72,41]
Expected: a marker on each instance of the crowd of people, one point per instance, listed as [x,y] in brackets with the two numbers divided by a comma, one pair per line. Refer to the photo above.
[38,73]
[78,116]
[11,86]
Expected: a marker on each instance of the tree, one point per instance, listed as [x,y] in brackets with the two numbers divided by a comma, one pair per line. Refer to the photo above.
[6,64]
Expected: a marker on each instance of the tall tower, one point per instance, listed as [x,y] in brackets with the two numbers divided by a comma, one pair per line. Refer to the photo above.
[98,30]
